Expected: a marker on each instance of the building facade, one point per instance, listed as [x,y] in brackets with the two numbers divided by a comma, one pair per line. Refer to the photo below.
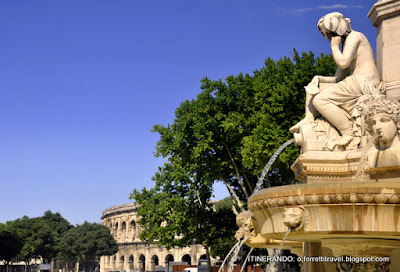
[136,255]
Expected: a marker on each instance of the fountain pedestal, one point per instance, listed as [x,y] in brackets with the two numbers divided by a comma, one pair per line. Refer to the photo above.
[322,166]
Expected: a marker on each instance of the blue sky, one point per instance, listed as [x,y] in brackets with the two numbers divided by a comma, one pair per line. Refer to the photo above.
[83,82]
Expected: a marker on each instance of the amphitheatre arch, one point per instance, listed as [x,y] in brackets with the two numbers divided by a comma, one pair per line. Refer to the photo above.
[131,261]
[142,263]
[168,259]
[186,259]
[154,262]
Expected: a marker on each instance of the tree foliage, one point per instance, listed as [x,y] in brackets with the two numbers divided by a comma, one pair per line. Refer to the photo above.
[86,243]
[49,229]
[10,244]
[234,126]
[228,133]
[50,236]
[40,235]
[224,228]
[171,219]
[25,228]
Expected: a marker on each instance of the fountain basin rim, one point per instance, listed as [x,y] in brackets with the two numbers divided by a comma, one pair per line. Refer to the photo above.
[326,193]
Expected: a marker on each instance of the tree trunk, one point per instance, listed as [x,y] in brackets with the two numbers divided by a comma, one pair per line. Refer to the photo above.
[76,269]
[233,194]
[237,172]
[248,183]
[27,265]
[208,258]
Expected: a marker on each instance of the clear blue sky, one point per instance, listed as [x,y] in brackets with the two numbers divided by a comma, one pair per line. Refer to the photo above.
[83,82]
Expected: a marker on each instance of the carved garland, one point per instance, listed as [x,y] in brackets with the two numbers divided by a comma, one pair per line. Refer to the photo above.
[353,198]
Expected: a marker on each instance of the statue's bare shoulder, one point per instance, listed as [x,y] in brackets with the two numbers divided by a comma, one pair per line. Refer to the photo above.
[358,51]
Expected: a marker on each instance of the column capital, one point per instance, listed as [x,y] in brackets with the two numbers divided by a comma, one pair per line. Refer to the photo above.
[383,9]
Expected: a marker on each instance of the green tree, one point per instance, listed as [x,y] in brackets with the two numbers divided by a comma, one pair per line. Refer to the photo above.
[223,228]
[234,126]
[51,227]
[228,133]
[40,236]
[175,219]
[86,243]
[10,243]
[25,228]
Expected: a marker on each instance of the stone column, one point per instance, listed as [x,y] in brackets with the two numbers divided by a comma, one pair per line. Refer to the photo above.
[311,249]
[385,16]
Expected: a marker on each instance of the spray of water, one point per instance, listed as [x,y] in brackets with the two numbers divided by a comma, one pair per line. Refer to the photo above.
[278,251]
[236,248]
[236,253]
[269,164]
[228,255]
[247,257]
[290,229]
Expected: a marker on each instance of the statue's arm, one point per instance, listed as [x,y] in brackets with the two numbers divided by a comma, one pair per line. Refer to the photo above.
[327,79]
[344,59]
[340,74]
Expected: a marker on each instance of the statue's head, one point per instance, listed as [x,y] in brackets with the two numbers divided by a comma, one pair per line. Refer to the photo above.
[383,120]
[334,24]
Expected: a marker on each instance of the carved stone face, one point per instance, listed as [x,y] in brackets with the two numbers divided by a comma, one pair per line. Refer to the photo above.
[245,227]
[293,216]
[384,128]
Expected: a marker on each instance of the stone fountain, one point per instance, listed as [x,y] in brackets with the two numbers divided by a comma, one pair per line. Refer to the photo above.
[347,208]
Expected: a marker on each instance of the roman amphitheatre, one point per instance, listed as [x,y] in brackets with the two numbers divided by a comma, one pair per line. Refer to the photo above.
[135,254]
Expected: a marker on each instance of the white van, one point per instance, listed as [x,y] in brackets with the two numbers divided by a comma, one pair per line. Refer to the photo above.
[190,269]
